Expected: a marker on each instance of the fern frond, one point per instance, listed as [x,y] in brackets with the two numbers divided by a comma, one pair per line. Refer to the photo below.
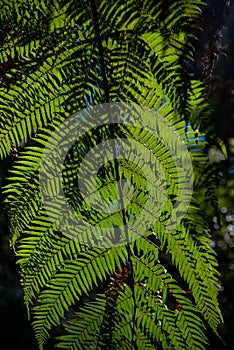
[197,267]
[69,56]
[75,278]
[84,329]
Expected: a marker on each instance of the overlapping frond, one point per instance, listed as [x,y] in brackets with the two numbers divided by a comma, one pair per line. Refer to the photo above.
[66,57]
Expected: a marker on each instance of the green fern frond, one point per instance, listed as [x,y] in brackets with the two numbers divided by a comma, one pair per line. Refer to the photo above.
[75,278]
[69,56]
[84,329]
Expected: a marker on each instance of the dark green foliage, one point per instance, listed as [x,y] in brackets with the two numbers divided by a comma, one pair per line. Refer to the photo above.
[58,58]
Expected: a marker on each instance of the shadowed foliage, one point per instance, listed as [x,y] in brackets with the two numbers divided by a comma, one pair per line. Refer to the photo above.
[59,57]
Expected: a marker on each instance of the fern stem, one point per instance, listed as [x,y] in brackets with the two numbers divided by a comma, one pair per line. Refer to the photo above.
[100,49]
[107,100]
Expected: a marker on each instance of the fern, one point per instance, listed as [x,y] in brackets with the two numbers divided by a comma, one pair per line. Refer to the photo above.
[155,285]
